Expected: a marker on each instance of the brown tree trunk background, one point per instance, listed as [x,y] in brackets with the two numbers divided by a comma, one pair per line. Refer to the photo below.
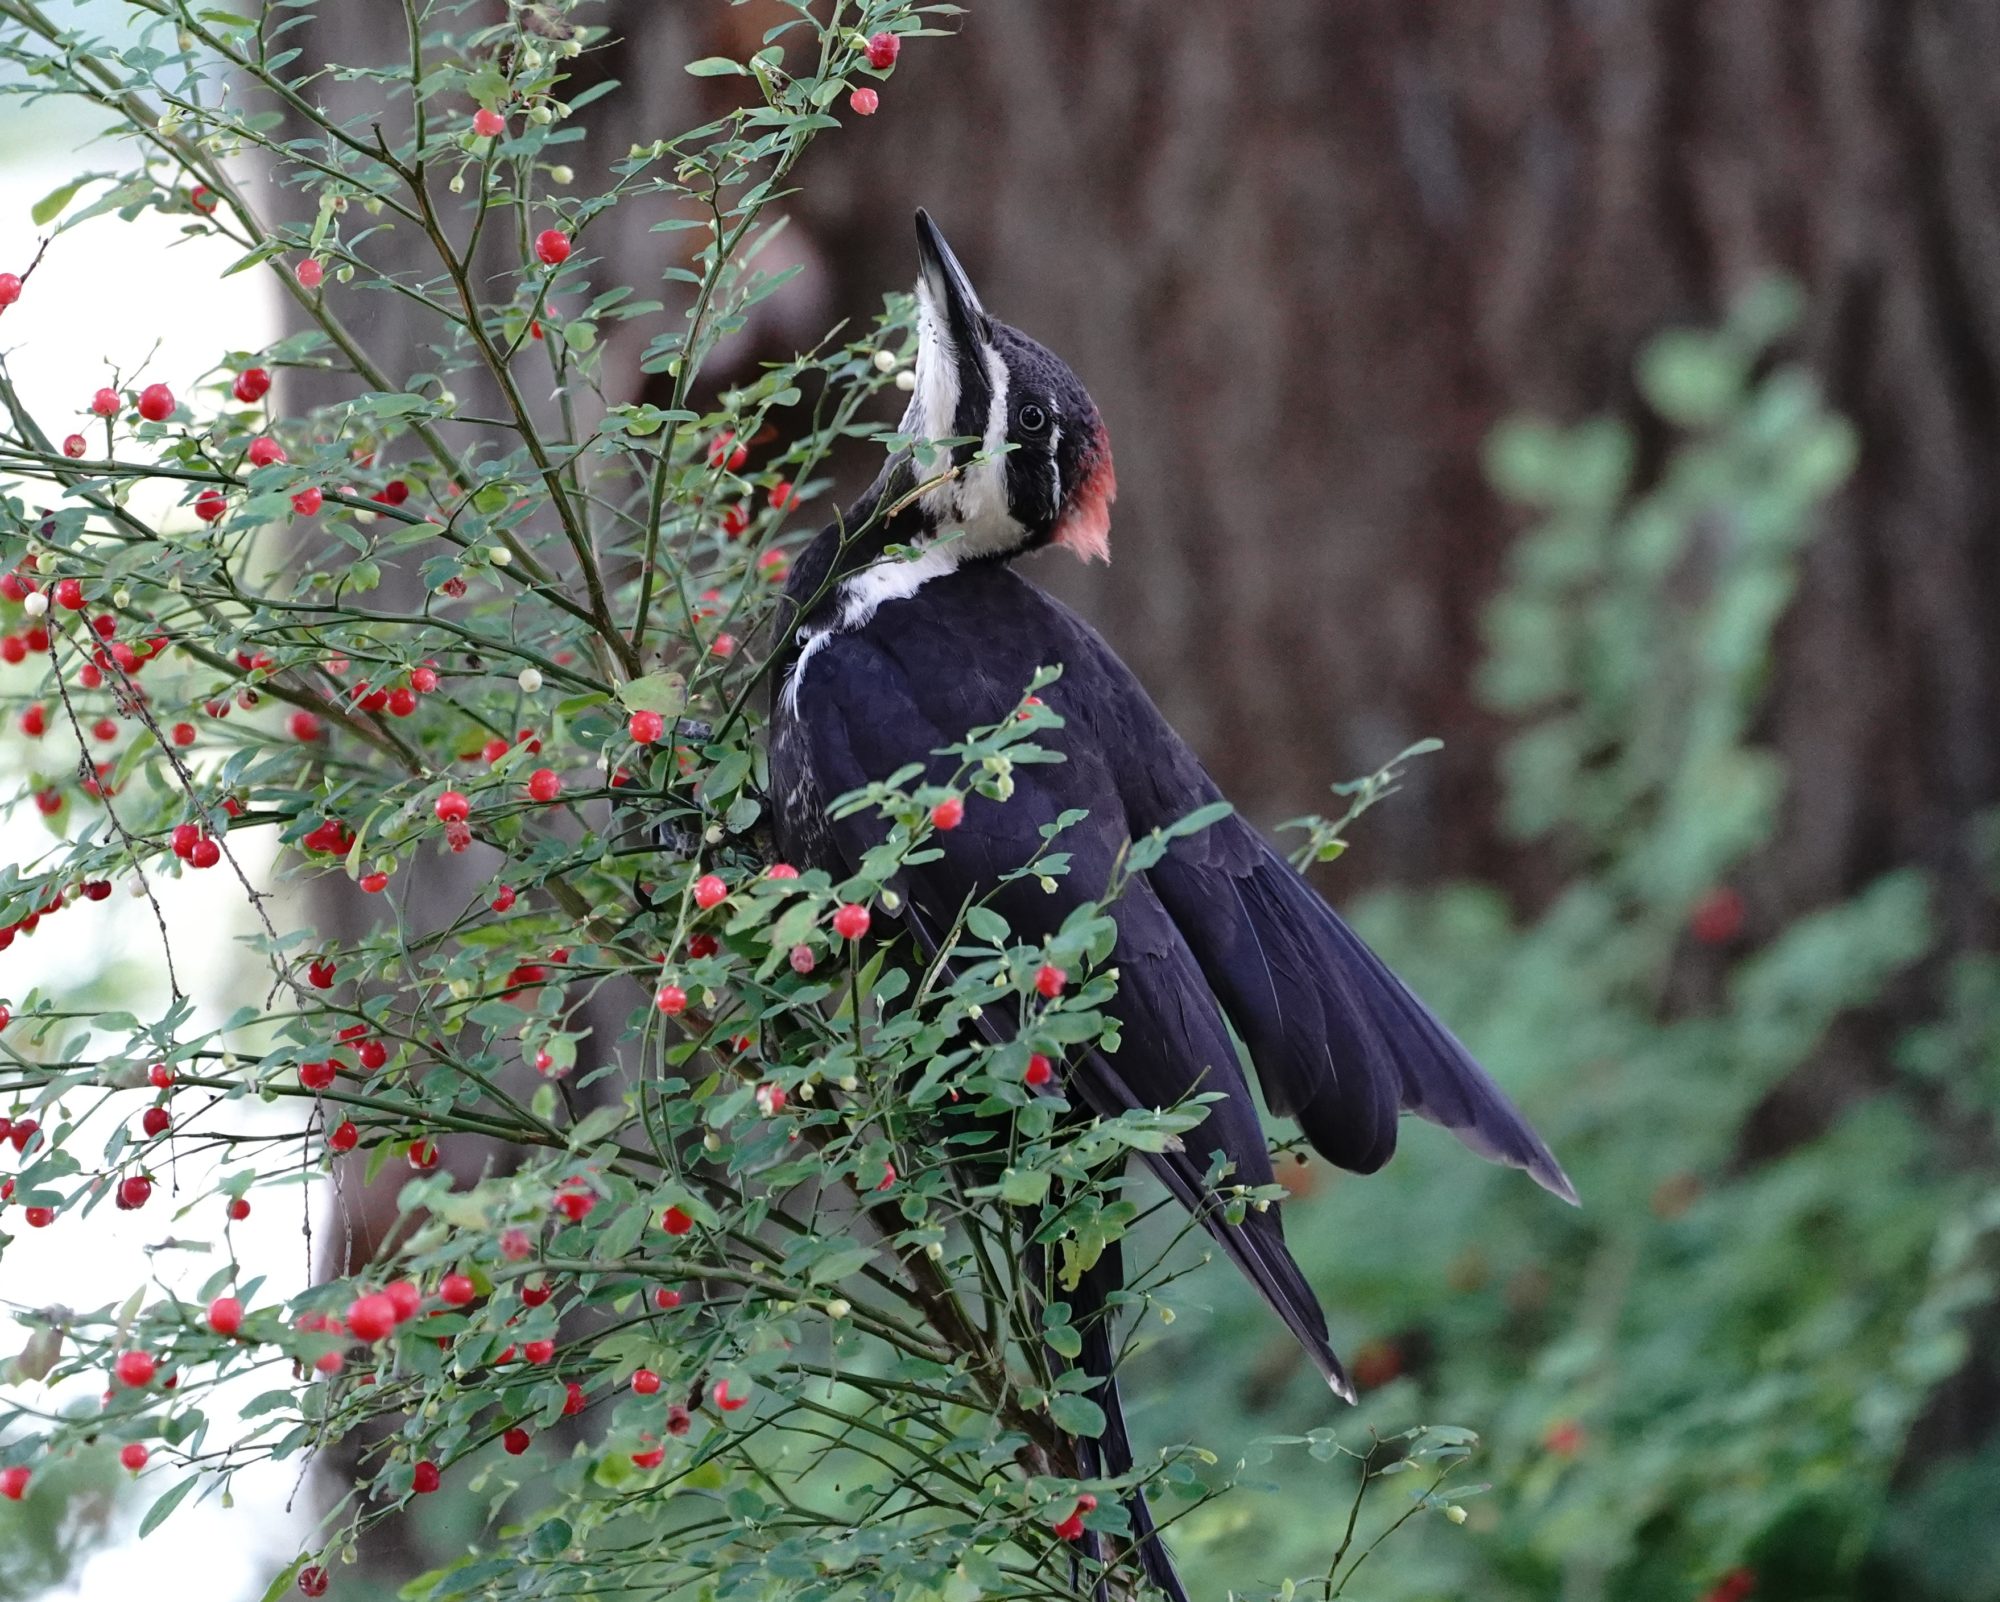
[1306,253]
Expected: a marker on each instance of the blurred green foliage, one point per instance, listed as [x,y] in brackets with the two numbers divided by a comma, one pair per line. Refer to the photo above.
[1716,1363]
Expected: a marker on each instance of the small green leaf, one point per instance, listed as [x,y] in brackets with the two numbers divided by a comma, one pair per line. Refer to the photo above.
[156,1515]
[664,693]
[51,204]
[1076,1415]
[716,67]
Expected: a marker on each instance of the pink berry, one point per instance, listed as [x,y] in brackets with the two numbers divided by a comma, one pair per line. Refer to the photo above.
[14,1481]
[405,1298]
[709,891]
[802,959]
[225,1315]
[133,1455]
[948,813]
[74,445]
[1049,981]
[671,1000]
[452,807]
[488,124]
[864,102]
[781,870]
[371,1317]
[544,784]
[305,726]
[105,403]
[307,501]
[457,1290]
[310,274]
[156,403]
[265,451]
[646,727]
[135,1369]
[851,921]
[10,289]
[552,246]
[883,48]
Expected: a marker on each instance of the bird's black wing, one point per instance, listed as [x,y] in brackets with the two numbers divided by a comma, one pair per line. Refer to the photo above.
[872,702]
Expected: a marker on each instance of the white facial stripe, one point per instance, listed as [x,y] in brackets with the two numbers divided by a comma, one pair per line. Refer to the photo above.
[1055,461]
[934,402]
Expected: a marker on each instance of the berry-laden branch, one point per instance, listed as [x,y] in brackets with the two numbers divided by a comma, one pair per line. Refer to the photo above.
[768,1252]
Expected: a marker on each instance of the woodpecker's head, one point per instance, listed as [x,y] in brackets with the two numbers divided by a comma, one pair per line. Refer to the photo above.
[978,378]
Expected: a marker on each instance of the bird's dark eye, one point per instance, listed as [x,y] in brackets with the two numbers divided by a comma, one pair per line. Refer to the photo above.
[1032,419]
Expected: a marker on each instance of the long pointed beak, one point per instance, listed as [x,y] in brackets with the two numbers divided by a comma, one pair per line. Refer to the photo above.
[951,290]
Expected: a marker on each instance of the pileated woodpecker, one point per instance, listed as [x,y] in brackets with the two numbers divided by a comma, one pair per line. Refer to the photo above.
[905,626]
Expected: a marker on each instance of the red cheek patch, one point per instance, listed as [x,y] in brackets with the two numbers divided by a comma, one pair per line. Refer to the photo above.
[1085,529]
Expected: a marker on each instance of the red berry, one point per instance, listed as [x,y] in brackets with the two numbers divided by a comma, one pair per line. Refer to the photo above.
[645,1381]
[10,289]
[781,870]
[735,519]
[671,1000]
[883,48]
[156,403]
[239,1208]
[677,1420]
[322,974]
[105,403]
[948,813]
[183,734]
[515,1441]
[39,1217]
[646,727]
[310,274]
[405,1298]
[456,1290]
[574,1204]
[423,680]
[782,495]
[675,1221]
[133,1455]
[503,898]
[35,722]
[373,1054]
[722,645]
[553,246]
[488,124]
[225,1315]
[14,1481]
[304,725]
[1039,1071]
[206,852]
[317,1075]
[1717,918]
[425,1478]
[329,1363]
[703,945]
[313,1580]
[371,1317]
[709,891]
[252,384]
[651,1458]
[573,1399]
[69,594]
[402,702]
[1049,981]
[666,1300]
[723,1398]
[544,784]
[864,102]
[74,446]
[135,1369]
[452,807]
[802,959]
[423,1154]
[265,451]
[160,1076]
[209,505]
[134,1192]
[307,501]
[344,1137]
[156,1121]
[851,921]
[724,450]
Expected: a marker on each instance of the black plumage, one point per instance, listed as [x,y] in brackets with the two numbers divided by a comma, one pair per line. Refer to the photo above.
[886,661]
